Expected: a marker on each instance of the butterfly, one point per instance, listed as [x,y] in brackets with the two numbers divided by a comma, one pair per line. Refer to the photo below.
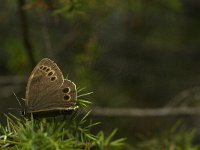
[48,93]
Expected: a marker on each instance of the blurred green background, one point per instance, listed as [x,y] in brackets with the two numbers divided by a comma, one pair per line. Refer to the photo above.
[131,54]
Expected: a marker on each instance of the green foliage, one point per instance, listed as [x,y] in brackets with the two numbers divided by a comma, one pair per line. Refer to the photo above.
[176,138]
[72,132]
[18,61]
[70,8]
[107,141]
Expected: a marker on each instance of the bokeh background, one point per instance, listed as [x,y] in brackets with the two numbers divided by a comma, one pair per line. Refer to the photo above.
[131,54]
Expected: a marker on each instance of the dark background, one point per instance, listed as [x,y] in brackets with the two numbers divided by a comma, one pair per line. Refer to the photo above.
[131,54]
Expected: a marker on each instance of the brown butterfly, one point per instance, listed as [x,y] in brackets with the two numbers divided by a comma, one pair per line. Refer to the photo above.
[48,93]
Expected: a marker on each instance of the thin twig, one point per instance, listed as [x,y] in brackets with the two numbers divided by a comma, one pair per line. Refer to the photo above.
[136,112]
[13,83]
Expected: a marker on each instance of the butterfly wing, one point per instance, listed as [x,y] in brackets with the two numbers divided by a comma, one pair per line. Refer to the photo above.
[63,98]
[45,88]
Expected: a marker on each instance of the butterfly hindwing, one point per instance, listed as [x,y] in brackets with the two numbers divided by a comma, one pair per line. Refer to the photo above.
[62,98]
[68,90]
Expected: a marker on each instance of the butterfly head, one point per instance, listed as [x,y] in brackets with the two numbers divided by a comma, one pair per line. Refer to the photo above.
[23,112]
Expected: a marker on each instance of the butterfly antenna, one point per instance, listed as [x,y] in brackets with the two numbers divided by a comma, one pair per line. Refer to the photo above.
[17,99]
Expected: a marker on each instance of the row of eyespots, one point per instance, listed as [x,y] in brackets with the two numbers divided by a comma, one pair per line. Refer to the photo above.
[49,72]
[66,91]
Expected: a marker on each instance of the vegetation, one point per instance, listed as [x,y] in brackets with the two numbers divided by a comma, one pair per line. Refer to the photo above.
[176,138]
[73,132]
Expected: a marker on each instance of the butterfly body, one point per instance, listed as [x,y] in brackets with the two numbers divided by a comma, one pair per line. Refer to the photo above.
[47,92]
